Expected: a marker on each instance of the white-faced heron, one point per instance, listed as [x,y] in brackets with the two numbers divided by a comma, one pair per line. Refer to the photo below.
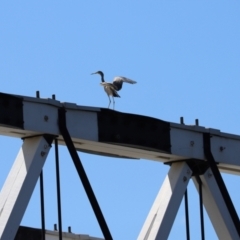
[112,88]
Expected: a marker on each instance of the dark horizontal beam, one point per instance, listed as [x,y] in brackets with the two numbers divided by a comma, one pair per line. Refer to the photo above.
[116,134]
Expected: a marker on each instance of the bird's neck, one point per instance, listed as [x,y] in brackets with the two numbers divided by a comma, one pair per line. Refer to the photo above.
[102,78]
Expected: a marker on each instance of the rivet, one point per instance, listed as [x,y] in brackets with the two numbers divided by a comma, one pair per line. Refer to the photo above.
[43,153]
[209,174]
[184,179]
[191,143]
[45,118]
[221,148]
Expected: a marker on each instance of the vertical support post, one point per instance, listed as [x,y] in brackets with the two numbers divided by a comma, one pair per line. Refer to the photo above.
[201,206]
[187,215]
[20,183]
[165,207]
[42,205]
[58,189]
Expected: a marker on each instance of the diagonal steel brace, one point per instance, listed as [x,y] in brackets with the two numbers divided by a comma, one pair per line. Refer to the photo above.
[82,174]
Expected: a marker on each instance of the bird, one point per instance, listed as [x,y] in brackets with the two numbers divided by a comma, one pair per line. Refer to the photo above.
[112,88]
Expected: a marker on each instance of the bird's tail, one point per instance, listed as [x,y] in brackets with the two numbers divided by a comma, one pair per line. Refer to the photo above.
[115,94]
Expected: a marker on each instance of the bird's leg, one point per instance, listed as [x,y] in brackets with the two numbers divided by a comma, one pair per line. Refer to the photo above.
[113,102]
[109,102]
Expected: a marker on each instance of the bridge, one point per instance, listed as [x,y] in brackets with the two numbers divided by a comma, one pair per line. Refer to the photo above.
[193,153]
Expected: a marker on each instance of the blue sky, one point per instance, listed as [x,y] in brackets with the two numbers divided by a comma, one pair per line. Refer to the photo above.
[185,57]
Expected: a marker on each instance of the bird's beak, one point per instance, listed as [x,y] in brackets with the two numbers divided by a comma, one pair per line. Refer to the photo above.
[93,73]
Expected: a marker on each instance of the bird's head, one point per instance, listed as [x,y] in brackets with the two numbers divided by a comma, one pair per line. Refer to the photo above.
[98,72]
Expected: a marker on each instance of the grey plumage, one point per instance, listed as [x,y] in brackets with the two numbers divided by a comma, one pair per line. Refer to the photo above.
[112,88]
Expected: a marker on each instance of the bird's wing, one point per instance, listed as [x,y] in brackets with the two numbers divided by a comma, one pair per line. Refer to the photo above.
[123,79]
[111,87]
[106,84]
